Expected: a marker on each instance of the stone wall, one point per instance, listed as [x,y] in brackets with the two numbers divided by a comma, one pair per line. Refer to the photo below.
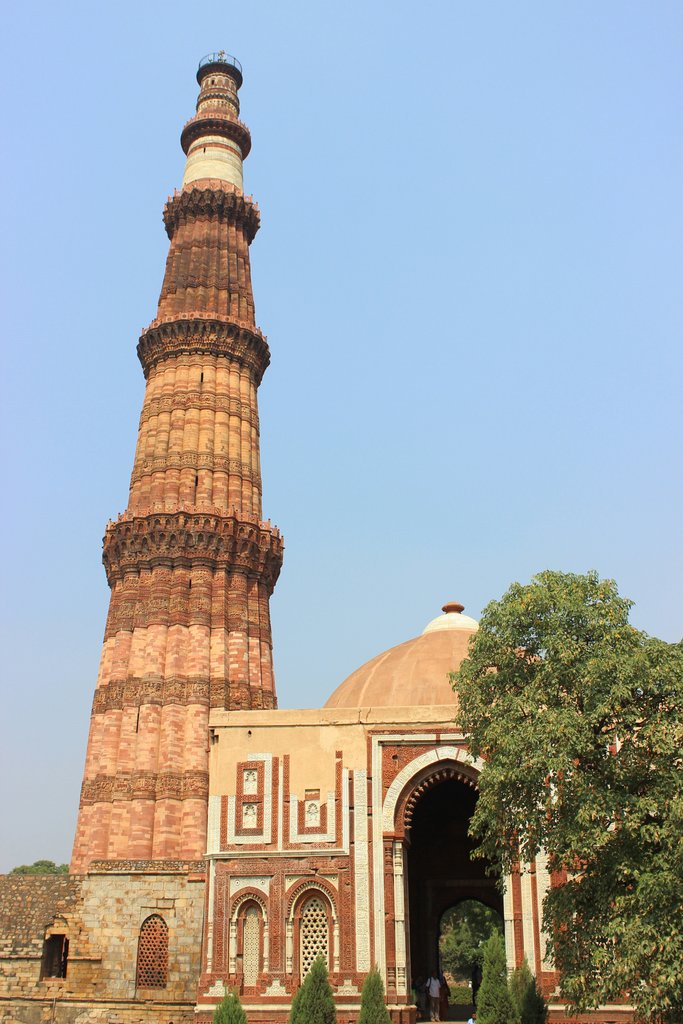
[101,915]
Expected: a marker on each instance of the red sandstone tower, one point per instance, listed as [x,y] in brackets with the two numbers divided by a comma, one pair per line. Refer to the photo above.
[190,564]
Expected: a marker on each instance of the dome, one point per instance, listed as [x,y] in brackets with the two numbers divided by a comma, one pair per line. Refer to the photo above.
[415,672]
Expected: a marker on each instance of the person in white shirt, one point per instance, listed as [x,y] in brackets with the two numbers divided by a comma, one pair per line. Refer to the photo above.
[434,993]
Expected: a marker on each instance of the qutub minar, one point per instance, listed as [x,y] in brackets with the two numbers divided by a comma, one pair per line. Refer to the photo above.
[221,842]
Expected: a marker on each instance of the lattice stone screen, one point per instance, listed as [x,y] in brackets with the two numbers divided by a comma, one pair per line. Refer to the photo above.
[252,952]
[314,937]
[152,969]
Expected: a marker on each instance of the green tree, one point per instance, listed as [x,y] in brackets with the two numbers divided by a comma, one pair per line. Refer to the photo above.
[464,930]
[229,1010]
[527,1002]
[41,867]
[313,1003]
[494,1005]
[373,1008]
[579,718]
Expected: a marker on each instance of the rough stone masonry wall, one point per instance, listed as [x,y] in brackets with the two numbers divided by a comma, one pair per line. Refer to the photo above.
[101,916]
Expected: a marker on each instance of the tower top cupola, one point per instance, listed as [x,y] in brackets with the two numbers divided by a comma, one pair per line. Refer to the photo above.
[215,141]
[220,63]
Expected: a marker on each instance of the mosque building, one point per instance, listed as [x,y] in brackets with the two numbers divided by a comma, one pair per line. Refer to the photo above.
[221,841]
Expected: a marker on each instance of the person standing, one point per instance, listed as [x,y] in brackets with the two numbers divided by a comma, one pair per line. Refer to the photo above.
[443,997]
[434,992]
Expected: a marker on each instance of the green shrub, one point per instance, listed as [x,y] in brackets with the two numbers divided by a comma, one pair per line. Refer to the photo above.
[229,1010]
[519,981]
[494,1005]
[529,1005]
[460,995]
[373,1008]
[313,1003]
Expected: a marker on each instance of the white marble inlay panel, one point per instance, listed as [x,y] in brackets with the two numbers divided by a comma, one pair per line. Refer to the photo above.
[542,888]
[276,988]
[250,782]
[258,882]
[213,826]
[361,870]
[399,920]
[320,837]
[266,834]
[528,920]
[312,814]
[249,815]
[347,988]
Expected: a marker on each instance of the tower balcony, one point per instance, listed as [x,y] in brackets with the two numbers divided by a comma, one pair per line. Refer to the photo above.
[220,61]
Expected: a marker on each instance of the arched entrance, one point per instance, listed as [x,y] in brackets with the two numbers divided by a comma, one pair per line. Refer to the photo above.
[464,929]
[441,871]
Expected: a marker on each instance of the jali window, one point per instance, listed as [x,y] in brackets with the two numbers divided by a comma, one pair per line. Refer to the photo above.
[251,960]
[152,971]
[313,939]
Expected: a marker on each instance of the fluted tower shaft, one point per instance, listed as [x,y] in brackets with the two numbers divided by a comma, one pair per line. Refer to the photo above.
[190,563]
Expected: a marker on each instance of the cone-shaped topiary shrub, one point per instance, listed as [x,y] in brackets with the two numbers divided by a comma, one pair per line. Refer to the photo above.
[494,1005]
[373,1009]
[529,1005]
[229,1010]
[534,1007]
[314,1002]
[295,1010]
[519,981]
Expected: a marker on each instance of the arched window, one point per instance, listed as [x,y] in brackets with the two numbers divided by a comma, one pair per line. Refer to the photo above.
[248,939]
[314,934]
[251,946]
[152,970]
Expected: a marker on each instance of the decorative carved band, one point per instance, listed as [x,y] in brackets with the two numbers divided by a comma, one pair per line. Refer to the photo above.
[147,867]
[154,690]
[139,785]
[211,335]
[228,127]
[193,398]
[218,693]
[186,539]
[220,201]
[197,460]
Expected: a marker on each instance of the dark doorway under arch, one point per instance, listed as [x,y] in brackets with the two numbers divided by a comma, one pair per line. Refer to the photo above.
[441,871]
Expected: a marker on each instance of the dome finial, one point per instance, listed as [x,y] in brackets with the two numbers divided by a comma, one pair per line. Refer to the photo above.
[452,606]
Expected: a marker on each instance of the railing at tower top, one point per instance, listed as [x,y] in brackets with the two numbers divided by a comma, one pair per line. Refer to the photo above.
[221,57]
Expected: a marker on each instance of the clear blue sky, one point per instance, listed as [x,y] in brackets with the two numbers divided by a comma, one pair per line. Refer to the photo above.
[469,272]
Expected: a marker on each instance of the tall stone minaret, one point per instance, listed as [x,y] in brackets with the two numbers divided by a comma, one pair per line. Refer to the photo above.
[190,563]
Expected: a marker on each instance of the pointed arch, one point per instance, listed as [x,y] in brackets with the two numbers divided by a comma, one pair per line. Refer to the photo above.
[249,942]
[445,758]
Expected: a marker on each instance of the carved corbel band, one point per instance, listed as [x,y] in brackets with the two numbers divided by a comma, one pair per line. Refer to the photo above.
[217,201]
[193,539]
[199,126]
[214,335]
